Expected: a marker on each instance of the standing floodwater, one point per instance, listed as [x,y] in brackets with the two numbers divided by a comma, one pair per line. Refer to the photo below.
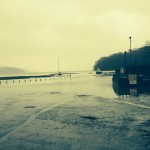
[83,112]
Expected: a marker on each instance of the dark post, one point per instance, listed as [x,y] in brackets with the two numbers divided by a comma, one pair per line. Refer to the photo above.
[125,61]
[70,76]
[130,49]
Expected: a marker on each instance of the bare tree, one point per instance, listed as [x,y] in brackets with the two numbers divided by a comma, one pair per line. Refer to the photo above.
[147,43]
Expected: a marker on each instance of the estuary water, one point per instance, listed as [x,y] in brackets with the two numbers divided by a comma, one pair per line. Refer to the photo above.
[102,84]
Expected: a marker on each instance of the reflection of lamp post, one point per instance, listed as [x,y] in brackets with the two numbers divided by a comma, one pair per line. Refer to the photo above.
[130,49]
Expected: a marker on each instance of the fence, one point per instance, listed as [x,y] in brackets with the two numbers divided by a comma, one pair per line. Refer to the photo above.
[45,79]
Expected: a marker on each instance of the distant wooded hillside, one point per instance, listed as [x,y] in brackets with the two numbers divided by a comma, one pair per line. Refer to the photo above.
[11,70]
[139,57]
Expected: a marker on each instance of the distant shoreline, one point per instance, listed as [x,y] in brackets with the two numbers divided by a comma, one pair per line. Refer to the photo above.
[26,77]
[30,76]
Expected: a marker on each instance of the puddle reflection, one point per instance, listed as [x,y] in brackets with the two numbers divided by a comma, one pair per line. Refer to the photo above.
[131,91]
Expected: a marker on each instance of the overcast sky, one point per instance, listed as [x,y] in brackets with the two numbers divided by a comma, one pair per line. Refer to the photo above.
[35,33]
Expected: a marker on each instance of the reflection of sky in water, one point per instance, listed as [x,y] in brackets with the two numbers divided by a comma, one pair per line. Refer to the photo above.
[82,85]
[85,81]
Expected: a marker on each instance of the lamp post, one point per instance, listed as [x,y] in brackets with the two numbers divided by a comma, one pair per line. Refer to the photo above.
[130,48]
[125,62]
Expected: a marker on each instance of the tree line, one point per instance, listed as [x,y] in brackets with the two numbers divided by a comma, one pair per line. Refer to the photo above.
[137,58]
